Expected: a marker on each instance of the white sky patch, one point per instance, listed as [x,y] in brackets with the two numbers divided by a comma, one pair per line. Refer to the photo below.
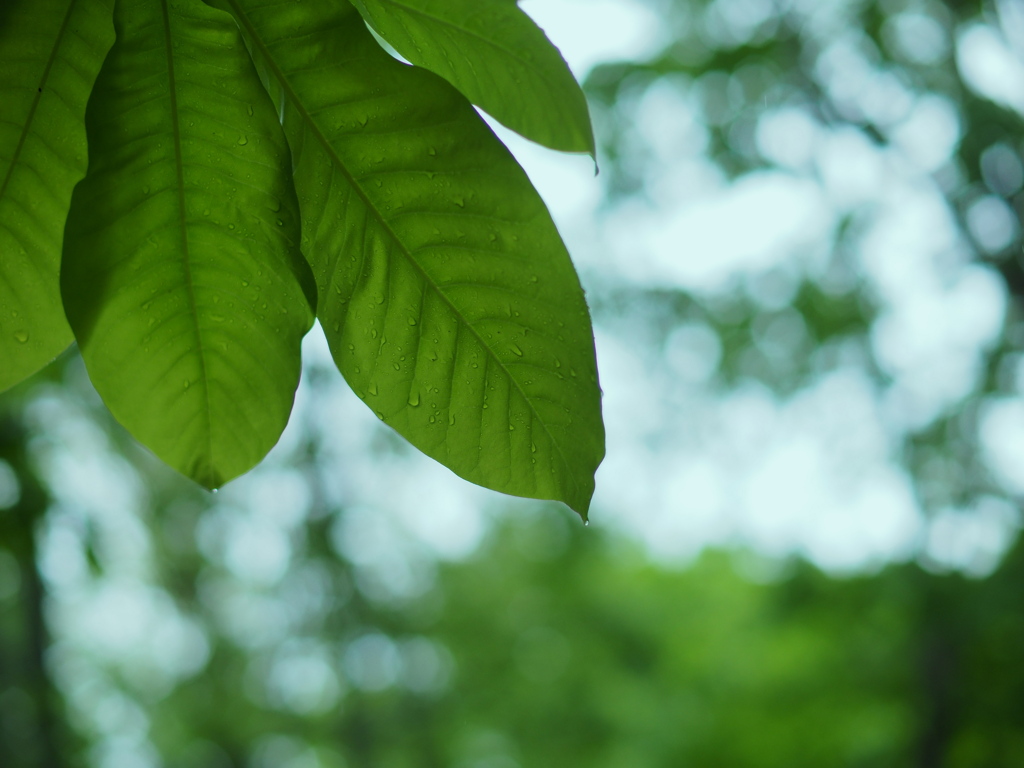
[940,312]
[589,32]
[851,167]
[930,133]
[990,66]
[761,220]
[812,474]
[1001,431]
[787,137]
[972,540]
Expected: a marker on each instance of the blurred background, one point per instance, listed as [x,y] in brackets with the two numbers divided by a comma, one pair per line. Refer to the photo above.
[804,259]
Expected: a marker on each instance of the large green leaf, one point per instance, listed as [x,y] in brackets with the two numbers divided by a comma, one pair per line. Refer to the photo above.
[447,296]
[182,275]
[497,56]
[50,54]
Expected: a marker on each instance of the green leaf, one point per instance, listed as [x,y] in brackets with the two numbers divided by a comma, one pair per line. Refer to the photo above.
[497,56]
[182,277]
[447,296]
[50,54]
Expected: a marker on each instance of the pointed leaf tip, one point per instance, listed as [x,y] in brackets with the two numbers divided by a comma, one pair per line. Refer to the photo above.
[446,294]
[496,55]
[183,284]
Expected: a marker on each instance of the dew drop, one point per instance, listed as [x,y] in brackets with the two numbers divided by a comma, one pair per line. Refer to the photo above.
[373,389]
[414,399]
[533,447]
[187,384]
[248,108]
[397,367]
[432,152]
[243,140]
[451,420]
[21,337]
[380,415]
[412,321]
[517,350]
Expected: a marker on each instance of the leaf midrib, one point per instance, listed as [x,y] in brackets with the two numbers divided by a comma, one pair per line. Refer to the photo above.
[189,283]
[308,119]
[26,129]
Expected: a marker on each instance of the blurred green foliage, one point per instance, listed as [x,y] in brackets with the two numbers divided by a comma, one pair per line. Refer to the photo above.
[559,645]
